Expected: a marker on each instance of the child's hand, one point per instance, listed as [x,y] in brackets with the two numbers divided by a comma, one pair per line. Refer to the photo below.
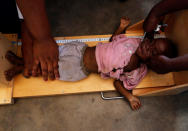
[160,64]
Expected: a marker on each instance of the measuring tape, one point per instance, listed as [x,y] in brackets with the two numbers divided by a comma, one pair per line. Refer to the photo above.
[104,39]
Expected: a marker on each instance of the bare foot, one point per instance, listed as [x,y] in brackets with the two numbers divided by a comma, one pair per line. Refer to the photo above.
[124,22]
[13,59]
[11,73]
[134,102]
[18,65]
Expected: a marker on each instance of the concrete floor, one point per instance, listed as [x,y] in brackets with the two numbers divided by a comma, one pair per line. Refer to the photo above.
[88,112]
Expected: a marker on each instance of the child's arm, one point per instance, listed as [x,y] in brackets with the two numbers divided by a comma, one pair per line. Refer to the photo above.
[133,100]
[124,22]
[133,64]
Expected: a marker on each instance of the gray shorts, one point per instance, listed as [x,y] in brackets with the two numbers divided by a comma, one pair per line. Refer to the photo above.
[71,66]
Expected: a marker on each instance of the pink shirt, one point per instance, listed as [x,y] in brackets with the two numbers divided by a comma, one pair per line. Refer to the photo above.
[116,55]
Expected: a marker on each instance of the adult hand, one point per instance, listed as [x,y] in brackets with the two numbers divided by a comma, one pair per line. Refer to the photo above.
[45,54]
[160,64]
[27,50]
[151,22]
[161,9]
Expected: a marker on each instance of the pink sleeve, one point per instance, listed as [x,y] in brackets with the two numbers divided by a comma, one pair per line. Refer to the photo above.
[132,79]
[105,75]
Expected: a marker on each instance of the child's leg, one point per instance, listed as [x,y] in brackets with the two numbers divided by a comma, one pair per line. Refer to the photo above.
[13,59]
[124,22]
[11,73]
[16,69]
[133,100]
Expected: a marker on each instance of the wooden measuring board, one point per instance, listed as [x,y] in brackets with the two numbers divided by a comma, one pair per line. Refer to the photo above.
[37,87]
[94,83]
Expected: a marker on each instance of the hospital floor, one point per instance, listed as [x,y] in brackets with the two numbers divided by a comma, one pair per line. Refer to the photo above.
[88,112]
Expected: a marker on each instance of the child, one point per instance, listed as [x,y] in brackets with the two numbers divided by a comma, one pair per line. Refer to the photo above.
[122,59]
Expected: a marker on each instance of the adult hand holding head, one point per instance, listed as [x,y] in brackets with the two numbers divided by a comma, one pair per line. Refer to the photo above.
[160,10]
[151,22]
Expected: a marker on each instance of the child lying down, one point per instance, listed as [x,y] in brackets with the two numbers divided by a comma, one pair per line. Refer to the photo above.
[122,59]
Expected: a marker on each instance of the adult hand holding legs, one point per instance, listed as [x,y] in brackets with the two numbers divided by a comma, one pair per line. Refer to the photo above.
[45,50]
[45,53]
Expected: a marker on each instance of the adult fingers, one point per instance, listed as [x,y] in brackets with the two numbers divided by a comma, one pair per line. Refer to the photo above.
[35,68]
[44,68]
[56,69]
[27,72]
[51,70]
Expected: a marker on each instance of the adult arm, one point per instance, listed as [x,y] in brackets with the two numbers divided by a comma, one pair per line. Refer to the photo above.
[159,10]
[45,49]
[163,64]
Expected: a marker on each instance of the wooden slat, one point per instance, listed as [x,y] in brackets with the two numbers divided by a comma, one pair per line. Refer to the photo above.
[38,87]
[8,42]
[166,91]
[153,79]
[93,83]
[5,94]
[143,91]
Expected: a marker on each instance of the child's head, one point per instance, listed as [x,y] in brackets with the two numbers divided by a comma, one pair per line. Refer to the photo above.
[160,46]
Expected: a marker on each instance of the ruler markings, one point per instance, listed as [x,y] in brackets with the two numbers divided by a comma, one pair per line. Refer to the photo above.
[96,39]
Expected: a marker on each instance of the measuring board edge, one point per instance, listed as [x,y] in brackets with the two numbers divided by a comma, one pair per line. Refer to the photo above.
[103,39]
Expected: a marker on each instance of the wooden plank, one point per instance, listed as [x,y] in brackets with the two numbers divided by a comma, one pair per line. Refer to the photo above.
[5,94]
[91,84]
[153,79]
[167,91]
[7,42]
[94,83]
[143,91]
[38,87]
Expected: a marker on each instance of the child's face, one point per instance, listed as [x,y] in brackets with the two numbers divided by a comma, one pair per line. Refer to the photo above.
[147,49]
